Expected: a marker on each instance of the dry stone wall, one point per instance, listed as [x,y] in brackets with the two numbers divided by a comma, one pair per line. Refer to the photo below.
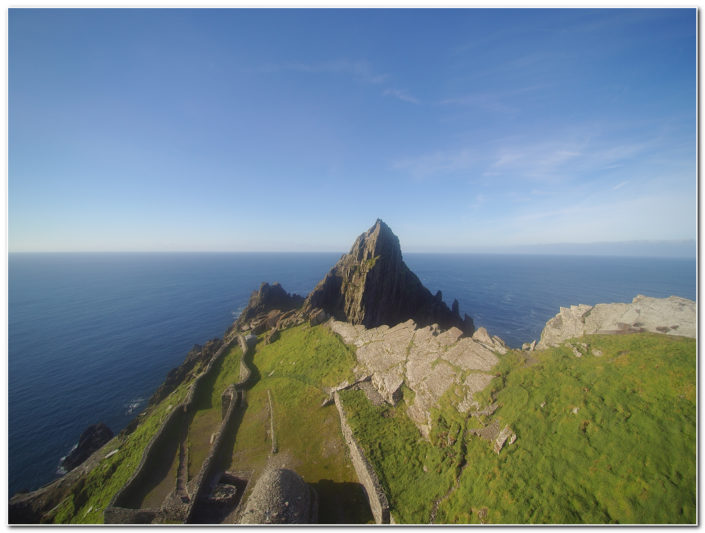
[379,505]
[121,509]
[206,478]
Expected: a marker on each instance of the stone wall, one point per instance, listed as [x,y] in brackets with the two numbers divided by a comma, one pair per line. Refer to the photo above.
[119,510]
[205,478]
[124,497]
[229,396]
[365,473]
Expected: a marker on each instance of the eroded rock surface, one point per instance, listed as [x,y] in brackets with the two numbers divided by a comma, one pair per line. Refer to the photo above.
[372,286]
[427,360]
[672,315]
[493,343]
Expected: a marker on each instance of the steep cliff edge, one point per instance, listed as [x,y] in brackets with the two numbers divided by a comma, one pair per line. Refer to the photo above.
[372,286]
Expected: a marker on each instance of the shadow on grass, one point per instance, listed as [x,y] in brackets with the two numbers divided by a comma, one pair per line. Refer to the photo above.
[342,503]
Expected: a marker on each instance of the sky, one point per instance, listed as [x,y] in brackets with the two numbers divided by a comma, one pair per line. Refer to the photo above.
[294,130]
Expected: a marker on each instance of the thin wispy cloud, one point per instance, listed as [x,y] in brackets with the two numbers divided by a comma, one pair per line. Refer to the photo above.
[501,102]
[401,95]
[359,69]
[484,101]
[542,160]
[437,163]
[586,220]
[550,160]
[620,185]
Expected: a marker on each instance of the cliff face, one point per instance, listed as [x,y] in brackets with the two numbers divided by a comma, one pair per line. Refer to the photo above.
[372,286]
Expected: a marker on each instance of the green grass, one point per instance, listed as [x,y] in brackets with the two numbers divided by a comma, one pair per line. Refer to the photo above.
[207,404]
[312,355]
[626,456]
[305,360]
[88,499]
[296,369]
[412,471]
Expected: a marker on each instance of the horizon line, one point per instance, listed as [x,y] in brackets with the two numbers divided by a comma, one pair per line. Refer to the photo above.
[572,248]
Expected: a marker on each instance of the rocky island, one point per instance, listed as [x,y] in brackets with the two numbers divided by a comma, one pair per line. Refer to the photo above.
[372,401]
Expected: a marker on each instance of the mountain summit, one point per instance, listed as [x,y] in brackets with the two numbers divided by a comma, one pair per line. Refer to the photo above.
[371,285]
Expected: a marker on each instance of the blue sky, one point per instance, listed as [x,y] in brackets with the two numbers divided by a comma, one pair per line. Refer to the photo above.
[195,130]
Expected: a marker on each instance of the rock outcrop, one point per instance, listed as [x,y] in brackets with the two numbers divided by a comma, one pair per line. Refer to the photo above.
[269,298]
[427,360]
[493,343]
[372,286]
[92,439]
[672,315]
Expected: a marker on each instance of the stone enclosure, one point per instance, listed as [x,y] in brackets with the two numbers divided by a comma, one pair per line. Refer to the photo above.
[181,504]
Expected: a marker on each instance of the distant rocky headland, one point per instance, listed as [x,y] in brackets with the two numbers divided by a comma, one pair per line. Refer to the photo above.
[368,369]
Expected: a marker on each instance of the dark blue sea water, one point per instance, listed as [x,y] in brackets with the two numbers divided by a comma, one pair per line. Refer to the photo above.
[92,335]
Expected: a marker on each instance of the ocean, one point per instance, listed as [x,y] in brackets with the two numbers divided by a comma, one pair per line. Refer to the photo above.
[91,336]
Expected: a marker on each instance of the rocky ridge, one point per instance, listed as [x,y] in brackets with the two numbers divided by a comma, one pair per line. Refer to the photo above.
[672,316]
[266,307]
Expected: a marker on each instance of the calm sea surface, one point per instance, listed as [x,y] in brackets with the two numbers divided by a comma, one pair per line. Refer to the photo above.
[92,335]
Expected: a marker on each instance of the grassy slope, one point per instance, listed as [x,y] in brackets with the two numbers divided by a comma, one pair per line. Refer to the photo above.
[627,456]
[296,369]
[413,472]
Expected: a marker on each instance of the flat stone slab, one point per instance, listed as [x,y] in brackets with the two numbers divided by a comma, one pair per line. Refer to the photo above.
[469,354]
[426,360]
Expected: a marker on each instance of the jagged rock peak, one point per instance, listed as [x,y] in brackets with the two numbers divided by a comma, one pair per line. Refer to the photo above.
[371,285]
[376,241]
